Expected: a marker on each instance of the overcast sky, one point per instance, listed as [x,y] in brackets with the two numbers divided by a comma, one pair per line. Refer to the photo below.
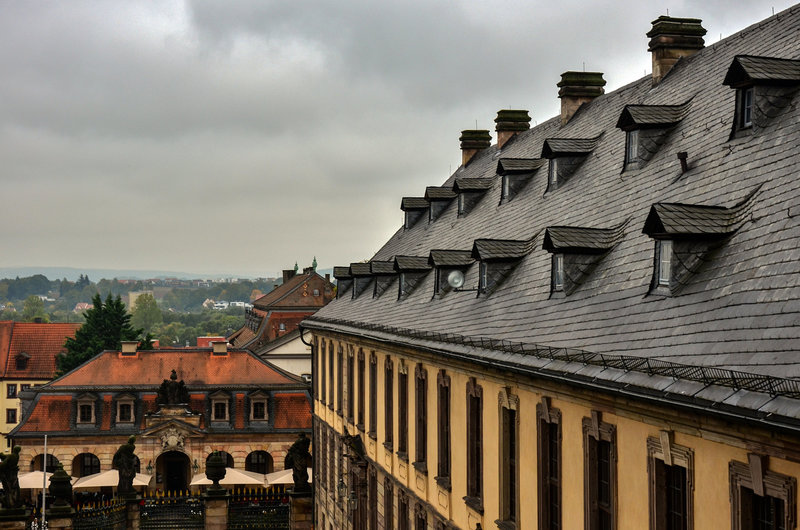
[241,136]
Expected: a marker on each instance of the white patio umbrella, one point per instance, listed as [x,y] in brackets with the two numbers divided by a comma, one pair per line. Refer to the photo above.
[283,477]
[33,480]
[108,478]
[232,477]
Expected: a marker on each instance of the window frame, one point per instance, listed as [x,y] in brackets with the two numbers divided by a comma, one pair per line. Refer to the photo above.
[461,202]
[671,454]
[631,148]
[547,417]
[596,432]
[388,401]
[746,99]
[552,173]
[340,381]
[322,373]
[132,414]
[388,503]
[420,419]
[443,411]
[223,402]
[558,272]
[11,415]
[360,392]
[258,399]
[331,375]
[11,391]
[402,411]
[474,411]
[372,429]
[509,459]
[776,485]
[663,271]
[86,402]
[350,383]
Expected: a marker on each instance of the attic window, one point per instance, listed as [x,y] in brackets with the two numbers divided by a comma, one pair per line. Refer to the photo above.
[764,87]
[632,147]
[446,262]
[125,410]
[516,174]
[566,155]
[439,198]
[558,272]
[258,407]
[483,276]
[412,270]
[685,233]
[85,410]
[498,258]
[22,360]
[552,173]
[505,193]
[413,208]
[470,192]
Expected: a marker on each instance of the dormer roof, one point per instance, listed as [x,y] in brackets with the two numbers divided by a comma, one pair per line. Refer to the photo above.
[451,258]
[360,269]
[652,116]
[409,204]
[411,263]
[753,70]
[501,249]
[439,193]
[342,273]
[472,184]
[581,240]
[556,147]
[382,268]
[507,166]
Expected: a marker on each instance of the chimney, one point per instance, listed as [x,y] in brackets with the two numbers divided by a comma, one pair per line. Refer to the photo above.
[327,278]
[219,347]
[577,88]
[672,38]
[473,141]
[129,347]
[509,123]
[288,274]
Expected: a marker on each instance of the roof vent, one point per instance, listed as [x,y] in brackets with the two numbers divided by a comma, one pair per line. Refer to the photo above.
[473,141]
[509,123]
[672,38]
[219,347]
[577,88]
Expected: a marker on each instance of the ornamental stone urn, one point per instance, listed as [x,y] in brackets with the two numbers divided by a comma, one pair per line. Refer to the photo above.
[215,471]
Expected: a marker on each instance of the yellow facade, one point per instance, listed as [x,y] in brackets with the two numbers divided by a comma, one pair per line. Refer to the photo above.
[712,443]
[12,404]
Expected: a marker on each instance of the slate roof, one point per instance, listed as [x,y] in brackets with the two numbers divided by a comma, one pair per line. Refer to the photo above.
[554,147]
[360,269]
[748,69]
[414,203]
[697,220]
[342,273]
[738,313]
[411,263]
[501,249]
[646,116]
[575,238]
[518,165]
[467,184]
[283,292]
[382,267]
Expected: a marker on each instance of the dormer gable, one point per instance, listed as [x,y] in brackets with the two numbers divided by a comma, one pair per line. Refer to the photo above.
[498,258]
[764,86]
[576,251]
[439,198]
[362,276]
[446,262]
[344,280]
[411,270]
[685,233]
[414,208]
[646,128]
[565,155]
[470,191]
[384,274]
[516,174]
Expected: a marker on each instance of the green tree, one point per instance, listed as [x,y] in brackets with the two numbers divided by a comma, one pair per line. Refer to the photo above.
[146,313]
[33,309]
[106,325]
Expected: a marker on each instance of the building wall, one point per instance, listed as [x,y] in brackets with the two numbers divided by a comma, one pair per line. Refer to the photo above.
[7,403]
[714,444]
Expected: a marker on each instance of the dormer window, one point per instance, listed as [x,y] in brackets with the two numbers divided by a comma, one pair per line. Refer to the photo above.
[498,258]
[220,406]
[85,411]
[516,174]
[558,272]
[451,265]
[439,198]
[124,412]
[552,172]
[460,204]
[745,96]
[412,271]
[413,208]
[483,276]
[470,192]
[663,261]
[632,147]
[764,87]
[22,360]
[505,192]
[258,407]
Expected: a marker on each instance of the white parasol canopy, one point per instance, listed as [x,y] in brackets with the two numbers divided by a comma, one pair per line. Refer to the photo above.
[33,480]
[283,477]
[109,478]
[232,477]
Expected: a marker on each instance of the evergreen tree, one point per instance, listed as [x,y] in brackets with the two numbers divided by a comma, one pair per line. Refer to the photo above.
[106,325]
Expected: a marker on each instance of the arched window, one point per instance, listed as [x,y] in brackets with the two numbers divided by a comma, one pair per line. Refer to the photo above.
[85,464]
[52,463]
[225,456]
[259,461]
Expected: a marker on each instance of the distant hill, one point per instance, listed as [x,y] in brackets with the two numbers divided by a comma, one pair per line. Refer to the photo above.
[72,274]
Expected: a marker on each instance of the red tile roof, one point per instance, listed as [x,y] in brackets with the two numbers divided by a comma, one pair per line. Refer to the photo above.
[41,342]
[194,367]
[292,411]
[50,414]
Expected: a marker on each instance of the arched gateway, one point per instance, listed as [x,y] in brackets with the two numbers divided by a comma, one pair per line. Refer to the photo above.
[173,468]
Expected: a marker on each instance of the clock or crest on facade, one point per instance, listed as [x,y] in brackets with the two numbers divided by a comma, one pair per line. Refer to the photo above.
[172,437]
[305,289]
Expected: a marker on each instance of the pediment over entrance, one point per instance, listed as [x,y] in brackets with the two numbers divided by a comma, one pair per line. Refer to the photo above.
[173,433]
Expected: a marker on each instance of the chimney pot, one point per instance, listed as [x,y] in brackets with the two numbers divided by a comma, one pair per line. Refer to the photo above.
[577,88]
[327,278]
[288,274]
[473,141]
[672,38]
[510,122]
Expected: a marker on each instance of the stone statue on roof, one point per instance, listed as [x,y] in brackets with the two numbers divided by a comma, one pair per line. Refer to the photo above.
[9,469]
[172,391]
[125,463]
[298,459]
[314,263]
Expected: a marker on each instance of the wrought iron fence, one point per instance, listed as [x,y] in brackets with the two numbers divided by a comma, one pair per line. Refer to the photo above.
[259,508]
[171,510]
[100,515]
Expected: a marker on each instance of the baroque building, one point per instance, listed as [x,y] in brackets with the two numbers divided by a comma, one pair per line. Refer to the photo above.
[593,323]
[182,404]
